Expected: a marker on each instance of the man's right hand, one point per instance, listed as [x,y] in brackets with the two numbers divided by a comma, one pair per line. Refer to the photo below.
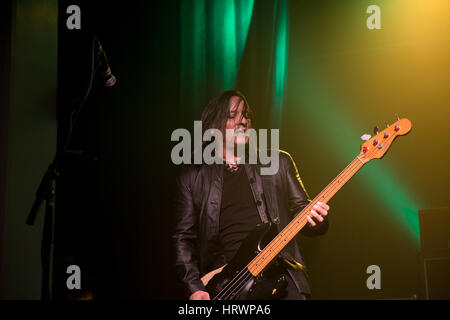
[199,295]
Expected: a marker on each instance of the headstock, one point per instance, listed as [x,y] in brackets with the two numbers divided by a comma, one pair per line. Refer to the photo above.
[377,146]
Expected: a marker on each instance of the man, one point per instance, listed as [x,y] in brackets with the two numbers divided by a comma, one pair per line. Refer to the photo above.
[217,205]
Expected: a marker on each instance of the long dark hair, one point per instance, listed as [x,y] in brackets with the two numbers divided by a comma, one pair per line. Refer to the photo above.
[216,112]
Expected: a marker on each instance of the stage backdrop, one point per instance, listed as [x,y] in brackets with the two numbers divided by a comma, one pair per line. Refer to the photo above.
[312,69]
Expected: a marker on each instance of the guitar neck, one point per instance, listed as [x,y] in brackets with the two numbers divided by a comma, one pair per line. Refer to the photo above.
[294,227]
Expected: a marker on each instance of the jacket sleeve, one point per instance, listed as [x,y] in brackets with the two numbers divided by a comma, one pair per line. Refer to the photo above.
[298,197]
[185,236]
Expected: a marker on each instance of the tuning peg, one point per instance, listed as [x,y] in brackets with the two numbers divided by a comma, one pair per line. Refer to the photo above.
[398,118]
[366,137]
[375,130]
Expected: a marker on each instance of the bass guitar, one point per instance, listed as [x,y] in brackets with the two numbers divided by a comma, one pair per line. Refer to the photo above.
[236,280]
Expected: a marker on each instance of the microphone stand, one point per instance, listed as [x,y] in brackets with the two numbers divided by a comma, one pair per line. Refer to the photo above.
[47,192]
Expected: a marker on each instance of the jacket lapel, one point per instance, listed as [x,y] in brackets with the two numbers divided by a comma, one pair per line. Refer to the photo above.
[257,190]
[214,198]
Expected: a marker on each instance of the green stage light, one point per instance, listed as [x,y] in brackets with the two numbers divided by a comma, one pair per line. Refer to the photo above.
[317,107]
[213,38]
[281,62]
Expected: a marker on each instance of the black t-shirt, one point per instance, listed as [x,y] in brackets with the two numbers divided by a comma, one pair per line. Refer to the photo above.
[238,212]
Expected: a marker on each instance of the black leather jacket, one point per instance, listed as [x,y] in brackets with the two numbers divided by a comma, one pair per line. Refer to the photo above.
[278,198]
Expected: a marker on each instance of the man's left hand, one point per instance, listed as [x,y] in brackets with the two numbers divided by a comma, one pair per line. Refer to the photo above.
[319,211]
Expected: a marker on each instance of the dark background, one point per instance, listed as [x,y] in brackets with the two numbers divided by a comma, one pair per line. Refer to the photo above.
[114,205]
[113,214]
[114,201]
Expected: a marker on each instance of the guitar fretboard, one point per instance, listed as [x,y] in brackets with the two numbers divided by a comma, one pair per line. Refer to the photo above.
[294,227]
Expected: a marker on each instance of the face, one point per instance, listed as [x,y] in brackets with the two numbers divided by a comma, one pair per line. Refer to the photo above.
[238,120]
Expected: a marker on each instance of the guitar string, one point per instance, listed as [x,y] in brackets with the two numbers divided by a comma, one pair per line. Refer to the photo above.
[278,240]
[327,194]
[235,279]
[302,219]
[273,244]
[353,164]
[239,288]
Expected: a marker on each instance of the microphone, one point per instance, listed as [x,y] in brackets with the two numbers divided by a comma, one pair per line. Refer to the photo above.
[108,78]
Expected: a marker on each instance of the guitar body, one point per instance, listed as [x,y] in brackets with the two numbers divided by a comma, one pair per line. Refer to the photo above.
[233,281]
